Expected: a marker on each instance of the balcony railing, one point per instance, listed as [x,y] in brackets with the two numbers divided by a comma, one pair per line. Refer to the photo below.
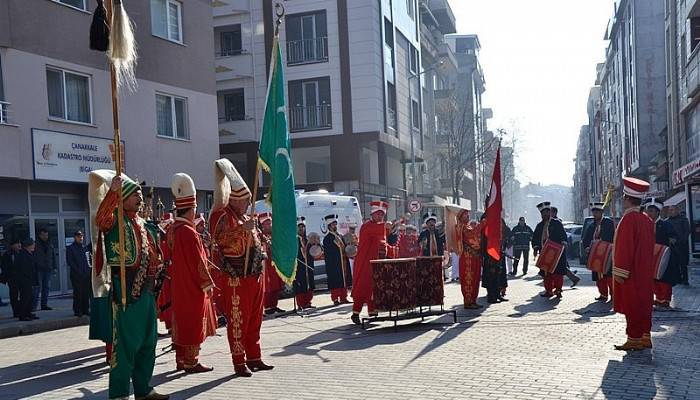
[307,51]
[306,118]
[4,111]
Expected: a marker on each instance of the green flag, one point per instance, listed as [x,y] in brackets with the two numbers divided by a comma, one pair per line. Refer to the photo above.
[275,158]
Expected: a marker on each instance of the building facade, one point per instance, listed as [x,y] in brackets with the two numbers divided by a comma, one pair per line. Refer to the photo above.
[56,112]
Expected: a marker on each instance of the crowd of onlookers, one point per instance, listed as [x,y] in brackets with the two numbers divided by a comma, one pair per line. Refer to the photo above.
[28,266]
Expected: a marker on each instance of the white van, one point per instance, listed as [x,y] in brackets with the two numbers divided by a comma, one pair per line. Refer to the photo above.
[314,206]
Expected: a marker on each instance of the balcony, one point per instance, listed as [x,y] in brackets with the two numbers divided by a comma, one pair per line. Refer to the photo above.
[692,80]
[234,65]
[4,112]
[223,8]
[447,55]
[310,118]
[443,14]
[306,51]
[240,129]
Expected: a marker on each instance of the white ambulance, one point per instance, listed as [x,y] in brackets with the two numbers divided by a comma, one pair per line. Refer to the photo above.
[314,206]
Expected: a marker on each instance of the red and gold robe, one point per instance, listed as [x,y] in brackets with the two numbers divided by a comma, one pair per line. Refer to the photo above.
[372,239]
[193,317]
[273,283]
[633,261]
[470,260]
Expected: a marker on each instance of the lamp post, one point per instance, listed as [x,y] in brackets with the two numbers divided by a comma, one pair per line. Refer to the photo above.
[410,99]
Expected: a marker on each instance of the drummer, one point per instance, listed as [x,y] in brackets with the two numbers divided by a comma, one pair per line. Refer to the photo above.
[304,283]
[336,261]
[666,236]
[550,229]
[602,228]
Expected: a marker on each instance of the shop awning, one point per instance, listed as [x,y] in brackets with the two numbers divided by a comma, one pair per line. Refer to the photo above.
[676,199]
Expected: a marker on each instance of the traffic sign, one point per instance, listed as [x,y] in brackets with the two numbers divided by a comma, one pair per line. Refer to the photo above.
[414,206]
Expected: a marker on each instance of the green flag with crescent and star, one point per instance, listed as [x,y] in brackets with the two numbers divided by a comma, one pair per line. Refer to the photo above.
[275,158]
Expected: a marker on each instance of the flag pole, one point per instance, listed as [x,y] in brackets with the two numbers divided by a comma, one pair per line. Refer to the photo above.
[118,164]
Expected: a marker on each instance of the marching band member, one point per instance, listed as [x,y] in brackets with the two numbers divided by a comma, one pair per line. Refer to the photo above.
[304,282]
[135,330]
[409,246]
[432,243]
[550,229]
[465,239]
[569,273]
[193,312]
[372,246]
[164,301]
[273,283]
[236,239]
[665,235]
[633,269]
[603,228]
[336,262]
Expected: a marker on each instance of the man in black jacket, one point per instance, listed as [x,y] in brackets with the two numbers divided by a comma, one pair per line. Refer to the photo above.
[46,266]
[26,277]
[77,260]
[431,241]
[522,235]
[602,228]
[550,228]
[9,262]
[682,227]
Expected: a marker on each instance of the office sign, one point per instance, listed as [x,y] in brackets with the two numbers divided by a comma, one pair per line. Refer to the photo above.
[68,157]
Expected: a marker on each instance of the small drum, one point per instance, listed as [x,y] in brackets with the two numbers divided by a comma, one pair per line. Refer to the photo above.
[316,251]
[394,284]
[600,258]
[351,250]
[430,287]
[314,238]
[549,256]
[662,255]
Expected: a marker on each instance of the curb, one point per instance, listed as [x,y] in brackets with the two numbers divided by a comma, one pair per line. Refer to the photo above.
[28,328]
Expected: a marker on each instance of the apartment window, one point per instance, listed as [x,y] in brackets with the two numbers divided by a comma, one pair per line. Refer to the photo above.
[79,4]
[694,33]
[410,8]
[69,95]
[310,104]
[684,55]
[234,105]
[415,114]
[391,106]
[307,38]
[413,58]
[171,116]
[2,89]
[166,19]
[231,41]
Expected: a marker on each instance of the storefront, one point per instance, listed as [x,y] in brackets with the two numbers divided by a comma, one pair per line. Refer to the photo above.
[688,177]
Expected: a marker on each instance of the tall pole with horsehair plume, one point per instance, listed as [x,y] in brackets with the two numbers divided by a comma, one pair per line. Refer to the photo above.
[112,31]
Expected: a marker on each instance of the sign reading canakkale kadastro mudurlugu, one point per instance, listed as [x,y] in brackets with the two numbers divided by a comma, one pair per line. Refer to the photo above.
[59,156]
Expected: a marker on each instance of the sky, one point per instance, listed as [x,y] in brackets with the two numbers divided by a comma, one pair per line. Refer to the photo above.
[539,59]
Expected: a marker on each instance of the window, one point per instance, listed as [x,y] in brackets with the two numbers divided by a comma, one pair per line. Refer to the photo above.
[410,9]
[391,106]
[79,4]
[684,55]
[310,104]
[413,58]
[307,38]
[171,116]
[231,42]
[234,105]
[415,114]
[694,33]
[166,19]
[69,95]
[2,89]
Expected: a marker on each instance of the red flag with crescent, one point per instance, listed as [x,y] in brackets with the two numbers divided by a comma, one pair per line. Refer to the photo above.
[494,208]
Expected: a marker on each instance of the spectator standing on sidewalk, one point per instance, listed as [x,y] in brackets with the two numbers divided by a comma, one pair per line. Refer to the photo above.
[46,266]
[26,278]
[77,260]
[9,272]
[682,227]
[522,236]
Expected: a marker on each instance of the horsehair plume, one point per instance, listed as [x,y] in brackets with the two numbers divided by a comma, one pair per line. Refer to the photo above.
[122,47]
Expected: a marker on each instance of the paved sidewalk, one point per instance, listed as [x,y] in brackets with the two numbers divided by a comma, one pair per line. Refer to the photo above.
[528,348]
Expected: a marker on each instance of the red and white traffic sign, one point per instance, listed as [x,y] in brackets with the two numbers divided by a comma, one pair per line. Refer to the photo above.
[414,206]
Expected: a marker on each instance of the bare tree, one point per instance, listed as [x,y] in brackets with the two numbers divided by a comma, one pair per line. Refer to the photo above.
[461,140]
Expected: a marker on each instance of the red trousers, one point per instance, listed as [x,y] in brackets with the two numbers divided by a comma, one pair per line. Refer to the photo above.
[604,284]
[186,356]
[272,299]
[304,299]
[242,300]
[663,292]
[638,322]
[357,306]
[469,277]
[339,294]
[553,283]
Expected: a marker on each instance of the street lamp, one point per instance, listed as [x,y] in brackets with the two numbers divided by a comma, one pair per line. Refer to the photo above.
[410,99]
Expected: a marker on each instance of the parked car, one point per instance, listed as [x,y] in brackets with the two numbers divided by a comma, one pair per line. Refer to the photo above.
[573,238]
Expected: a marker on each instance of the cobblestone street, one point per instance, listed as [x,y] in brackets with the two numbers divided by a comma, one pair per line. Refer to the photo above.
[528,348]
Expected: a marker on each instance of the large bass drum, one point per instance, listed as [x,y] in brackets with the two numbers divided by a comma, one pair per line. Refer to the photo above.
[430,286]
[351,251]
[316,251]
[394,284]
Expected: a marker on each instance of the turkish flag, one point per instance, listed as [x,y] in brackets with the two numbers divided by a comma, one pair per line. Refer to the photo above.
[494,207]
